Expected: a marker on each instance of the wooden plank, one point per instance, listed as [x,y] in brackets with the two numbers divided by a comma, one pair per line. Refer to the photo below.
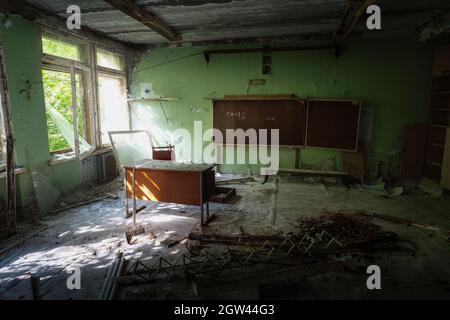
[145,17]
[445,177]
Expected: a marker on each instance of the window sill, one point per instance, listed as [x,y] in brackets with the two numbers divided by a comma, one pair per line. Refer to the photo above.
[101,150]
[61,158]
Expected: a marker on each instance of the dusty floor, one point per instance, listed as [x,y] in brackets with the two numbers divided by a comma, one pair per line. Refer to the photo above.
[91,235]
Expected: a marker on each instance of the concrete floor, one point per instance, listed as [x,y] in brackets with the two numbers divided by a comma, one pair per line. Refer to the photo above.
[91,235]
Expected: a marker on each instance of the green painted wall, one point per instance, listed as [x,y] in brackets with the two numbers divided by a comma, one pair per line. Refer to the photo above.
[22,49]
[390,75]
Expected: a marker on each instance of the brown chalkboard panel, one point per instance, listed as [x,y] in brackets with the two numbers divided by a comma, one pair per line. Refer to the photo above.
[333,124]
[288,115]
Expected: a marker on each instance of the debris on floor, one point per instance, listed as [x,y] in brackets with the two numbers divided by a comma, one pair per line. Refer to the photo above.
[219,264]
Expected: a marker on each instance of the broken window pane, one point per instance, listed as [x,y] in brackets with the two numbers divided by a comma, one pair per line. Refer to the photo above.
[111,60]
[60,48]
[60,120]
[113,107]
[131,146]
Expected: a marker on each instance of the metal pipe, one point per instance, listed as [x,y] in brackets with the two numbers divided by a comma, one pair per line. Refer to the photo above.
[112,275]
[108,276]
[114,286]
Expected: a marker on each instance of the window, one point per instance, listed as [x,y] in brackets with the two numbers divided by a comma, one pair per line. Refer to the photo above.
[113,107]
[60,116]
[72,98]
[112,98]
[64,81]
[110,60]
[55,46]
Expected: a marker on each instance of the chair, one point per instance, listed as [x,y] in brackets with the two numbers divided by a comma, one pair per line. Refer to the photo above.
[164,153]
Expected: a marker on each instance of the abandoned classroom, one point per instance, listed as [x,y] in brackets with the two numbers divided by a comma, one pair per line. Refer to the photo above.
[214,149]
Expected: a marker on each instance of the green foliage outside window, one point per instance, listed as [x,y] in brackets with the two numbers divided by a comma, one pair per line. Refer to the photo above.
[56,47]
[58,95]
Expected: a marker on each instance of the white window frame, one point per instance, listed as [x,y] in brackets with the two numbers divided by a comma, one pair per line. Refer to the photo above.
[91,71]
[121,74]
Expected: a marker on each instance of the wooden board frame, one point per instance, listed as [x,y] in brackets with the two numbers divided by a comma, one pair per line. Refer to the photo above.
[267,98]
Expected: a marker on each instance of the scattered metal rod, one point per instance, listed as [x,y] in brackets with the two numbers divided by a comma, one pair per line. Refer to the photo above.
[112,274]
[119,272]
[209,262]
[108,276]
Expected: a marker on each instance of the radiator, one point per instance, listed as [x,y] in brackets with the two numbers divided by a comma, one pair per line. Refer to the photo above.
[88,168]
[106,167]
[101,168]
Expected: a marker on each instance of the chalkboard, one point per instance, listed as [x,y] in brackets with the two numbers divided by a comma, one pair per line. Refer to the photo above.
[288,115]
[333,124]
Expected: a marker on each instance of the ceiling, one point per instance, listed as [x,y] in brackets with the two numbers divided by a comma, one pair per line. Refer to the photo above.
[201,21]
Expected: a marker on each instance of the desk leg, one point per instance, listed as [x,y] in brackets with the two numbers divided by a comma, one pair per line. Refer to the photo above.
[201,202]
[134,197]
[126,195]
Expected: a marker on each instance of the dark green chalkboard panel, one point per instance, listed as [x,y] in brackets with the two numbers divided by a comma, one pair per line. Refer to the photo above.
[333,124]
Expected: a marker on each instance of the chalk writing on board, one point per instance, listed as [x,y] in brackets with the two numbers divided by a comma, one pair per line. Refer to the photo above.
[270,118]
[238,115]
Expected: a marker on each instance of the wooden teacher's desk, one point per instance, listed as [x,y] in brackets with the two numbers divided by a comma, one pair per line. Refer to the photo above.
[169,181]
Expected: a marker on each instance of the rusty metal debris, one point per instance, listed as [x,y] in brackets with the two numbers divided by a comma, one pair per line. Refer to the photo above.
[209,262]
